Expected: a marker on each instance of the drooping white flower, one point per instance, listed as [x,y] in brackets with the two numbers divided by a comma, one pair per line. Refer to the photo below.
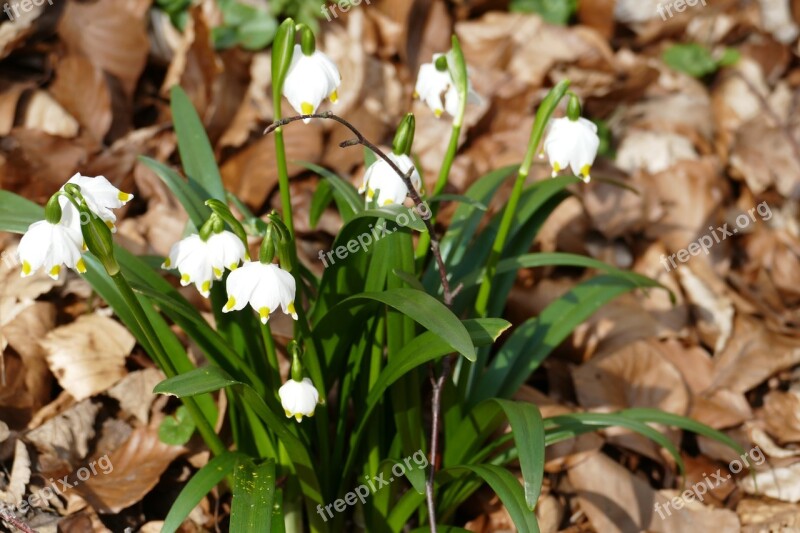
[310,80]
[50,246]
[573,144]
[299,398]
[264,286]
[381,178]
[436,88]
[101,197]
[201,262]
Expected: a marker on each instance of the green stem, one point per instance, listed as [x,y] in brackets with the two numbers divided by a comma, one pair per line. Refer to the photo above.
[423,245]
[162,359]
[543,115]
[274,371]
[283,177]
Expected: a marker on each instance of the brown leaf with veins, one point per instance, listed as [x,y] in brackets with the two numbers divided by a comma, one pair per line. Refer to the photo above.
[88,356]
[137,468]
[82,90]
[111,35]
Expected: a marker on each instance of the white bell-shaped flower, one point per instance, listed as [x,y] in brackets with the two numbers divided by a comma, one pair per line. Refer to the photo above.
[298,398]
[201,262]
[382,179]
[436,88]
[310,80]
[573,144]
[101,197]
[264,286]
[50,246]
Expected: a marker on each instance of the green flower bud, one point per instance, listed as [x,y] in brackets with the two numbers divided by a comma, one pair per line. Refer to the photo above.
[97,236]
[308,43]
[267,251]
[573,107]
[52,211]
[404,138]
[441,63]
[225,215]
[297,365]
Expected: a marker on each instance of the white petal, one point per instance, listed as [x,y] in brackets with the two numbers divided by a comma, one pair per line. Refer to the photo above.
[240,286]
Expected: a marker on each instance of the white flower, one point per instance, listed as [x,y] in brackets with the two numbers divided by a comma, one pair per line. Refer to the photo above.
[310,80]
[434,86]
[201,262]
[382,178]
[572,143]
[264,286]
[50,246]
[101,197]
[299,398]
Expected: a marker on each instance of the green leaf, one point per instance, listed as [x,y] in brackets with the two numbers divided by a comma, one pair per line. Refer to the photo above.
[197,381]
[536,338]
[507,488]
[176,430]
[197,156]
[457,198]
[322,197]
[258,32]
[429,312]
[526,424]
[18,213]
[347,198]
[564,259]
[552,11]
[729,57]
[198,486]
[253,497]
[692,58]
[605,420]
[189,198]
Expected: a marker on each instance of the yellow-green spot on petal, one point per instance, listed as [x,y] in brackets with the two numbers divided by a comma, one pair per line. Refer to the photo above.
[291,308]
[585,170]
[415,95]
[109,224]
[55,271]
[370,193]
[438,113]
[234,266]
[186,279]
[26,268]
[206,286]
[307,108]
[217,272]
[231,303]
[298,417]
[123,196]
[288,414]
[335,96]
[167,263]
[263,313]
[80,266]
[556,167]
[388,201]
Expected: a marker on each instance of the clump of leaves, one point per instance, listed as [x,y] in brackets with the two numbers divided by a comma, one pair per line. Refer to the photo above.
[552,11]
[696,60]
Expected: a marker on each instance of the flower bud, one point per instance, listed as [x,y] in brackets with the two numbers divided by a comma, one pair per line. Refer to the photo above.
[573,107]
[267,252]
[97,236]
[297,366]
[404,138]
[225,215]
[52,211]
[308,43]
